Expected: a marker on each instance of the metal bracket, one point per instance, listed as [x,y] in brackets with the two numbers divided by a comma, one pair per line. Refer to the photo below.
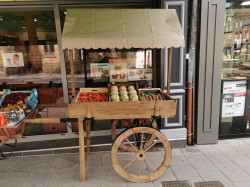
[156,117]
[91,119]
[65,120]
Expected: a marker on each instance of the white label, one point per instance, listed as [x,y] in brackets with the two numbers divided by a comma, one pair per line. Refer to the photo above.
[233,98]
[13,60]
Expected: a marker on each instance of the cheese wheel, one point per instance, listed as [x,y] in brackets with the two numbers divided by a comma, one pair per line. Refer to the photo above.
[123,92]
[122,88]
[131,88]
[134,97]
[124,97]
[114,88]
[114,92]
[132,92]
[115,98]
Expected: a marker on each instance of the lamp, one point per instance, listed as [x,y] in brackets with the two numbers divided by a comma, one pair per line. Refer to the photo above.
[245,3]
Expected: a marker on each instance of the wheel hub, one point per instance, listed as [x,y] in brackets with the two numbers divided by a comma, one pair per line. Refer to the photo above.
[140,155]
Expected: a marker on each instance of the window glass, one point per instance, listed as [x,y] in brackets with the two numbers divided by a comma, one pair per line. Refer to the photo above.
[236,70]
[29,58]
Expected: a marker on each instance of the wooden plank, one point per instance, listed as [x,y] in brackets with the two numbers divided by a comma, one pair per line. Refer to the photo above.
[72,72]
[170,51]
[122,110]
[42,120]
[81,150]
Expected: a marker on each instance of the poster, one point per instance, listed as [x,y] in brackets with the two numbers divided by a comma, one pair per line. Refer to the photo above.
[118,70]
[99,69]
[233,98]
[13,60]
[140,74]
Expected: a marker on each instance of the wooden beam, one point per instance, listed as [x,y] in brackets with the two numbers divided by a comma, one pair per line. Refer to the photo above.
[42,120]
[72,72]
[169,69]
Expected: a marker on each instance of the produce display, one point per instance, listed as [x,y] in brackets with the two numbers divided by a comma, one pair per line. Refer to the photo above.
[14,98]
[14,105]
[151,96]
[93,97]
[3,122]
[123,93]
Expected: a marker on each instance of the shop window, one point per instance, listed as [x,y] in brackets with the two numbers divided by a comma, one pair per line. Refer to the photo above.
[236,70]
[29,58]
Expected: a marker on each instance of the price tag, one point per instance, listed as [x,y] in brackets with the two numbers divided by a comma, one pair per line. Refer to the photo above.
[12,116]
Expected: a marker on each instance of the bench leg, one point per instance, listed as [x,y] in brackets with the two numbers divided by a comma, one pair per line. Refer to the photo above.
[88,136]
[81,151]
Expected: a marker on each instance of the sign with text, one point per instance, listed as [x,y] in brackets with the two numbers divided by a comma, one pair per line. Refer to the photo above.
[11,60]
[233,98]
[118,70]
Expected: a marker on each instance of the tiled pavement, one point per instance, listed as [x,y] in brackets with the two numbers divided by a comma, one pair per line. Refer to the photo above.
[228,161]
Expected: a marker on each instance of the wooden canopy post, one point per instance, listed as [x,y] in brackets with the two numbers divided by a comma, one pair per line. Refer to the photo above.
[72,72]
[170,51]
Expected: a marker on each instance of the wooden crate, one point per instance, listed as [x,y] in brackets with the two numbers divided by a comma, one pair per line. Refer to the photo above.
[163,94]
[16,131]
[86,90]
[126,84]
[123,110]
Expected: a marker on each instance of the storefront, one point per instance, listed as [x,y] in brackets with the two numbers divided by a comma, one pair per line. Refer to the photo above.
[33,30]
[235,101]
[222,76]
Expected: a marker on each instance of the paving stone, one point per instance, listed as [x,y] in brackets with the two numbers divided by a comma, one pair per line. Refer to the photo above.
[149,184]
[227,149]
[182,168]
[242,161]
[247,140]
[14,178]
[167,176]
[242,184]
[230,169]
[214,175]
[176,152]
[209,150]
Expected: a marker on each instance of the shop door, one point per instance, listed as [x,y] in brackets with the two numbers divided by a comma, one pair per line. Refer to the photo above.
[209,70]
[234,118]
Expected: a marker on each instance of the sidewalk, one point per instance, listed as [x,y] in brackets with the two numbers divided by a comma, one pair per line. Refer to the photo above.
[228,161]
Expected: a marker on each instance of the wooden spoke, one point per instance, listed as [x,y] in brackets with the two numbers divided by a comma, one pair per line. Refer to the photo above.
[152,145]
[131,144]
[139,172]
[135,140]
[154,155]
[125,153]
[150,164]
[129,163]
[142,136]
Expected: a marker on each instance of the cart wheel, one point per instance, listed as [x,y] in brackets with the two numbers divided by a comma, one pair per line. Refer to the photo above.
[141,165]
[128,148]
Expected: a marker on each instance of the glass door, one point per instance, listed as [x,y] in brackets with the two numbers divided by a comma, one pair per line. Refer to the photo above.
[235,113]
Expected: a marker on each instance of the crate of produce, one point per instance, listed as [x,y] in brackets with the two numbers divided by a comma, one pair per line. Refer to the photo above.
[123,91]
[86,95]
[155,94]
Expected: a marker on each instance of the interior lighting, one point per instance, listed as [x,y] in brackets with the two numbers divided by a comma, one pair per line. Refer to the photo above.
[35,19]
[24,27]
[65,13]
[245,3]
[1,18]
